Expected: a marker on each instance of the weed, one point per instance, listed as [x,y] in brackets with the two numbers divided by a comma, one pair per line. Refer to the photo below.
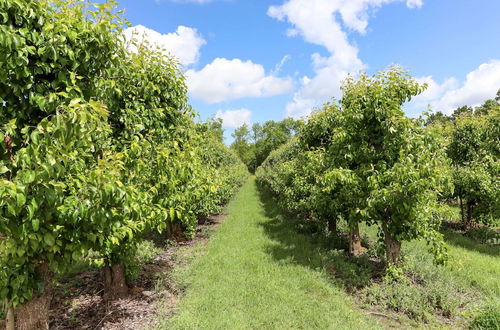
[488,319]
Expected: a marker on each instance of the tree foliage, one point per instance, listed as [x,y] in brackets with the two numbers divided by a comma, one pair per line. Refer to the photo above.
[362,160]
[472,138]
[97,144]
[475,153]
[254,145]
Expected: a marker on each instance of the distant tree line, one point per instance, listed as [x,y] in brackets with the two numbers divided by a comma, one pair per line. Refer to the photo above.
[254,144]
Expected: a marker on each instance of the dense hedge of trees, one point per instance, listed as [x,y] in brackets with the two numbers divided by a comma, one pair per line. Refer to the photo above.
[362,160]
[97,147]
[472,137]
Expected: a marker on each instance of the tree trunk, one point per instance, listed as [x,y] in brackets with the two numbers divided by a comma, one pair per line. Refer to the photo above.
[33,315]
[174,230]
[115,284]
[462,209]
[469,215]
[332,226]
[10,319]
[392,246]
[355,248]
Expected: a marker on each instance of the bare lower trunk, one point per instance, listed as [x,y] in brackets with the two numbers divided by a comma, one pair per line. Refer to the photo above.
[11,320]
[462,209]
[115,284]
[392,247]
[33,315]
[469,222]
[355,248]
[332,226]
[174,230]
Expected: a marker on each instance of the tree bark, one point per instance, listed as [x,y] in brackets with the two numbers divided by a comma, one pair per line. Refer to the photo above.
[174,230]
[10,320]
[462,209]
[332,226]
[355,248]
[115,284]
[33,315]
[468,224]
[392,246]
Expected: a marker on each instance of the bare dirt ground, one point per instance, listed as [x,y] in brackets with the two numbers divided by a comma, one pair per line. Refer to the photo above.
[77,302]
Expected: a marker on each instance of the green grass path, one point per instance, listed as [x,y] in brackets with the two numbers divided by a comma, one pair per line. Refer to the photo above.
[257,273]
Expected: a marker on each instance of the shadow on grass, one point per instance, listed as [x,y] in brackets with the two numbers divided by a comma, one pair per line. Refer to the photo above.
[459,240]
[316,251]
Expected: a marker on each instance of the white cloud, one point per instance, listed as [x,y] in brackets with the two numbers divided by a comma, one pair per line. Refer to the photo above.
[225,79]
[234,118]
[414,3]
[184,43]
[479,85]
[278,66]
[434,90]
[321,22]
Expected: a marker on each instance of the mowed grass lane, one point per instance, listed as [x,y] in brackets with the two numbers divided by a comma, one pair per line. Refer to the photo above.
[257,273]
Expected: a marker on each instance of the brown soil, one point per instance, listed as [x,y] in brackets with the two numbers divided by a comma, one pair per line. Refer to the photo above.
[78,300]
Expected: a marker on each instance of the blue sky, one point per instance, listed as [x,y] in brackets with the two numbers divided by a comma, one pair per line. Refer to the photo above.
[255,60]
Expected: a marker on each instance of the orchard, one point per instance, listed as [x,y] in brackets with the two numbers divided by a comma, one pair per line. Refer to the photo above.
[353,212]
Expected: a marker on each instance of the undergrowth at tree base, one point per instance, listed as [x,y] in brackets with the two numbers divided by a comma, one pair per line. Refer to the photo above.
[416,291]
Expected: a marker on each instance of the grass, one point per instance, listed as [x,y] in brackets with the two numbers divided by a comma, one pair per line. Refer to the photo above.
[257,272]
[450,296]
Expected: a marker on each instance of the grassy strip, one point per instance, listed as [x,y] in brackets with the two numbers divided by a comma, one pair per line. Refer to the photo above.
[257,272]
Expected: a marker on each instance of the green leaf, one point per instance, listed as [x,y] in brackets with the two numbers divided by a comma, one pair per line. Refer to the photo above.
[4,169]
[49,239]
[36,224]
[76,255]
[20,199]
[29,176]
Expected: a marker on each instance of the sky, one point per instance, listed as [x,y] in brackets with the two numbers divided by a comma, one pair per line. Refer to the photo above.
[248,61]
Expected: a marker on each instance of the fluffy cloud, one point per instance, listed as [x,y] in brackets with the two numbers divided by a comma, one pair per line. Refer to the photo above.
[225,79]
[479,85]
[322,22]
[184,43]
[434,90]
[234,118]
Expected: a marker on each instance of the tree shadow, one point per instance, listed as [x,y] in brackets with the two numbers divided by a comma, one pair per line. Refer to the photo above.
[315,250]
[458,239]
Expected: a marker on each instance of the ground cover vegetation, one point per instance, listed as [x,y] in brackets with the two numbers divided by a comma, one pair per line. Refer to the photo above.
[257,272]
[98,146]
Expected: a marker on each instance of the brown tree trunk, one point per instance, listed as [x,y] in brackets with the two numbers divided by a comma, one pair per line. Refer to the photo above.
[33,315]
[355,248]
[392,246]
[115,284]
[10,319]
[174,230]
